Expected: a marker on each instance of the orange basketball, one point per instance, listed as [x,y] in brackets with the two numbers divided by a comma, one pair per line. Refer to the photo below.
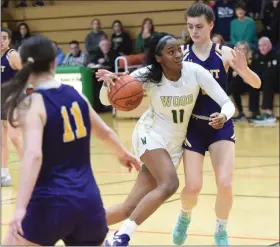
[127,94]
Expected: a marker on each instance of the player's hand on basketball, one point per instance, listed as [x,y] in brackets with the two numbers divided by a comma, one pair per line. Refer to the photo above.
[16,222]
[129,161]
[217,120]
[108,77]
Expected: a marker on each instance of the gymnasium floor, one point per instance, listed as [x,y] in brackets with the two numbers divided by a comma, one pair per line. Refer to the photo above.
[255,216]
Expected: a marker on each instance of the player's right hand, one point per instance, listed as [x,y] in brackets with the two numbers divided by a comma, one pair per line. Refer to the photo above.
[108,77]
[129,161]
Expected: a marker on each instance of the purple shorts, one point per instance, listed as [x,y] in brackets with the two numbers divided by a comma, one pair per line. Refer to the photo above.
[48,223]
[200,135]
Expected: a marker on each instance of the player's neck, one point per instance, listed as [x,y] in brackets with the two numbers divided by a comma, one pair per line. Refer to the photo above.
[4,50]
[203,47]
[43,80]
[172,76]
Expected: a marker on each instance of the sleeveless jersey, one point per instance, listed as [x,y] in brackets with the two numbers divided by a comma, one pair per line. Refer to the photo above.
[172,103]
[66,172]
[7,72]
[205,106]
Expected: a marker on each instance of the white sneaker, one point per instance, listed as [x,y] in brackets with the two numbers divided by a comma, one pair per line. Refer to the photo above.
[6,181]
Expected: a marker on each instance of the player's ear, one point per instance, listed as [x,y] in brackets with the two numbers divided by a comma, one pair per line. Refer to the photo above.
[158,58]
[53,65]
[211,25]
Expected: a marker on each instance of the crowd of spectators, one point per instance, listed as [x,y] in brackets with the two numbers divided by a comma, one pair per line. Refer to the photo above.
[250,25]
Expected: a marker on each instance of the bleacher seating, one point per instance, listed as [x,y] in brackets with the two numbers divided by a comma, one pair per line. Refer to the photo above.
[68,20]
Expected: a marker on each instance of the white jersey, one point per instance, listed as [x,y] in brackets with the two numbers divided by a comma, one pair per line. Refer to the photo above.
[164,124]
[172,102]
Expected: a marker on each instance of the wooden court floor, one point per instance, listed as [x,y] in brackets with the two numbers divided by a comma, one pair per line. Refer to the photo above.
[255,215]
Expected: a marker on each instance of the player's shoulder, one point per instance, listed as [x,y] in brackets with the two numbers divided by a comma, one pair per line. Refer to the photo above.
[190,66]
[185,49]
[12,53]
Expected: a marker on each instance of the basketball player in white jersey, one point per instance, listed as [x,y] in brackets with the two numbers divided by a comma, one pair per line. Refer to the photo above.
[173,86]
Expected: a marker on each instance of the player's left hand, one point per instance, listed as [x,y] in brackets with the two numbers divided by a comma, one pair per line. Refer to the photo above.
[217,120]
[15,224]
[238,61]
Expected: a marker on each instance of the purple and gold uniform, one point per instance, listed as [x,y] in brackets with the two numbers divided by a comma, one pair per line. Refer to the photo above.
[66,202]
[7,73]
[200,135]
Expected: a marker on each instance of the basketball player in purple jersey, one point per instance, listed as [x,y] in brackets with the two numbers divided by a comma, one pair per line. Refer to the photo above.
[10,64]
[58,196]
[202,135]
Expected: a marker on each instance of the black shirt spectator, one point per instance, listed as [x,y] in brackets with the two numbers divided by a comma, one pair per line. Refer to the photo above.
[106,55]
[23,32]
[267,65]
[121,41]
[271,21]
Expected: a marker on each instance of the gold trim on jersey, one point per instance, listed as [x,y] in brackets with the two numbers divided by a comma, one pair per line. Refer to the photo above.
[217,49]
[186,51]
[187,143]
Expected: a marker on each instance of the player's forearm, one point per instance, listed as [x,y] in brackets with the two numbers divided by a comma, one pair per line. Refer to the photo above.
[228,109]
[29,173]
[103,96]
[112,141]
[250,77]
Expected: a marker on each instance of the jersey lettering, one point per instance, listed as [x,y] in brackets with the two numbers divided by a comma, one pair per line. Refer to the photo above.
[175,116]
[176,101]
[215,73]
[2,68]
[144,141]
[81,130]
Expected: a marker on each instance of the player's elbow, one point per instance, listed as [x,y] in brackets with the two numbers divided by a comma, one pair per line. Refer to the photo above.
[257,83]
[104,133]
[33,157]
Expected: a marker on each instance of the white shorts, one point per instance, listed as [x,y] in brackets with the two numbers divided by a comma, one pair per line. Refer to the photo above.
[145,138]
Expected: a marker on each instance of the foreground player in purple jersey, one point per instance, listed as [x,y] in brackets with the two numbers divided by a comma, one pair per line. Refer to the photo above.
[209,130]
[58,196]
[10,64]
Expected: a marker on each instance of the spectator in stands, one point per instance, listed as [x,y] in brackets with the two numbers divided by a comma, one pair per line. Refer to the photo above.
[22,33]
[22,3]
[224,12]
[93,39]
[144,37]
[267,65]
[207,2]
[59,55]
[106,56]
[270,21]
[121,41]
[243,28]
[218,39]
[238,86]
[75,57]
[253,8]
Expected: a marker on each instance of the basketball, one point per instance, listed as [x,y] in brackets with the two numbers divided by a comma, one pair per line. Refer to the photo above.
[127,94]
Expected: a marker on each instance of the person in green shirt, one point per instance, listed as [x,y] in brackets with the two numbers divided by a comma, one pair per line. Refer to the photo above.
[144,37]
[243,28]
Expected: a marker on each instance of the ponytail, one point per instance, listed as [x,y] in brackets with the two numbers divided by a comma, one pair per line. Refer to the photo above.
[13,92]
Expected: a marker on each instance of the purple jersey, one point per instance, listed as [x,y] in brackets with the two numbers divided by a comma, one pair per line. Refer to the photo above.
[7,72]
[205,106]
[66,168]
